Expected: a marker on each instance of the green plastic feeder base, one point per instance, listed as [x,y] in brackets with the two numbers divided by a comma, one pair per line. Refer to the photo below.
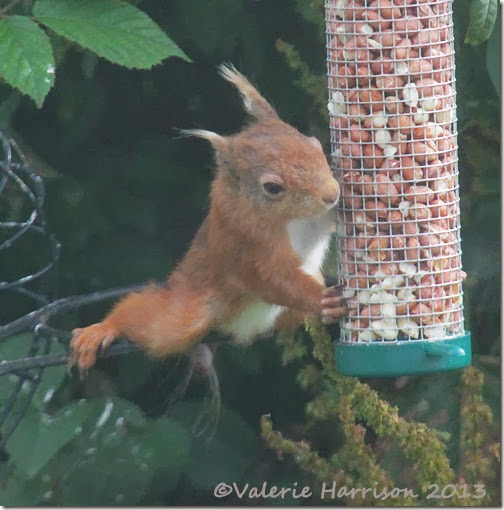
[392,359]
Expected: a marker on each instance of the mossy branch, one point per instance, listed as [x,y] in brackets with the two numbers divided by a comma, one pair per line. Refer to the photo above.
[479,455]
[357,407]
[304,456]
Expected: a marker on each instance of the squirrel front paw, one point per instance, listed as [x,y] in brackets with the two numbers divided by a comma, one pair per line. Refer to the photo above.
[333,305]
[86,342]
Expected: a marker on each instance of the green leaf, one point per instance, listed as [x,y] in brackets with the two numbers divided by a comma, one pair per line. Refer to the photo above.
[27,61]
[12,348]
[113,29]
[482,18]
[51,380]
[19,491]
[17,347]
[168,444]
[110,413]
[38,436]
[117,454]
[110,476]
[235,442]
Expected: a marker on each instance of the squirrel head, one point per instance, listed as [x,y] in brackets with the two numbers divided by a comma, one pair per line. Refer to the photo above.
[270,163]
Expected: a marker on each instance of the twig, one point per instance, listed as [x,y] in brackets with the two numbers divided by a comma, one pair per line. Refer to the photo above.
[49,360]
[43,314]
[9,6]
[36,321]
[490,361]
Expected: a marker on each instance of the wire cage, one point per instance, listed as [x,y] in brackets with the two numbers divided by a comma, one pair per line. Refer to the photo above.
[29,254]
[23,230]
[393,124]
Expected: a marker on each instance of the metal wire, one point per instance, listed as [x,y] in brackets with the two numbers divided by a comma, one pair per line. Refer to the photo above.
[21,218]
[391,79]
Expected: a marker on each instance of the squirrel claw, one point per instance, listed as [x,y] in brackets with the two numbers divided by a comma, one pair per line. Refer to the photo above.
[85,344]
[332,315]
[334,290]
[333,301]
[333,305]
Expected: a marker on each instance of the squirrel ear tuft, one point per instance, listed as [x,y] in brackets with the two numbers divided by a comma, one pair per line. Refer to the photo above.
[254,103]
[216,140]
[219,143]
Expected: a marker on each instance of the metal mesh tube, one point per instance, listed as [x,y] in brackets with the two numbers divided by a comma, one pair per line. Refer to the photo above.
[391,78]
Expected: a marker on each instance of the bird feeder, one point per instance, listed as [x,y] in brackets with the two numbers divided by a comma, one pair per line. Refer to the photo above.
[391,78]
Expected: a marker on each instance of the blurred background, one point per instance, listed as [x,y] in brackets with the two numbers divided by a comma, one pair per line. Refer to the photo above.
[125,196]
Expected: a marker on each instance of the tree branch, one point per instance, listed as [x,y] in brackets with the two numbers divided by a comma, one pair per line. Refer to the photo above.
[44,313]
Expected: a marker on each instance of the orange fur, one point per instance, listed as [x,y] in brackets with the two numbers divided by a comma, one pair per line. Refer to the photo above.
[290,320]
[242,254]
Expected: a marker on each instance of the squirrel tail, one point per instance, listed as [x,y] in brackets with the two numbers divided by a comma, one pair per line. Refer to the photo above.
[254,103]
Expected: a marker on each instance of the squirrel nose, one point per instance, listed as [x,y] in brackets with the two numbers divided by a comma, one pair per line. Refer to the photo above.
[332,197]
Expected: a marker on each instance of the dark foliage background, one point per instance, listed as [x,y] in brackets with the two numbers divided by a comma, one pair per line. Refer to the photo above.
[125,196]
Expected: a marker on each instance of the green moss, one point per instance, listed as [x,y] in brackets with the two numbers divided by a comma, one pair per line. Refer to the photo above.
[356,408]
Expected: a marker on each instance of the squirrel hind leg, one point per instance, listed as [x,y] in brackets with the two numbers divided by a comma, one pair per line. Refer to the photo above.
[163,321]
[158,320]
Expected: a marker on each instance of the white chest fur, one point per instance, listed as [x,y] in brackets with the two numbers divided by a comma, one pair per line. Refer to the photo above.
[310,240]
[258,318]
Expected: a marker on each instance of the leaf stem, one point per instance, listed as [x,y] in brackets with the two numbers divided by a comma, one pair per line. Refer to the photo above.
[8,7]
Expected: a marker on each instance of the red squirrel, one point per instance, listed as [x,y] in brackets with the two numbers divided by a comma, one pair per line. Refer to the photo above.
[254,264]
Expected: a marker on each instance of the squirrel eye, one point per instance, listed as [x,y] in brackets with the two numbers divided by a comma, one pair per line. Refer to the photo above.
[273,188]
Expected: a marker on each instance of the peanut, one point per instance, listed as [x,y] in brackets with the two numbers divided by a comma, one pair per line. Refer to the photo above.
[363,77]
[419,194]
[421,314]
[400,142]
[419,68]
[376,208]
[384,65]
[402,123]
[403,50]
[394,105]
[438,208]
[372,156]
[389,83]
[428,87]
[408,24]
[358,282]
[387,38]
[340,122]
[386,9]
[359,135]
[386,188]
[419,212]
[422,152]
[376,21]
[371,311]
[389,167]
